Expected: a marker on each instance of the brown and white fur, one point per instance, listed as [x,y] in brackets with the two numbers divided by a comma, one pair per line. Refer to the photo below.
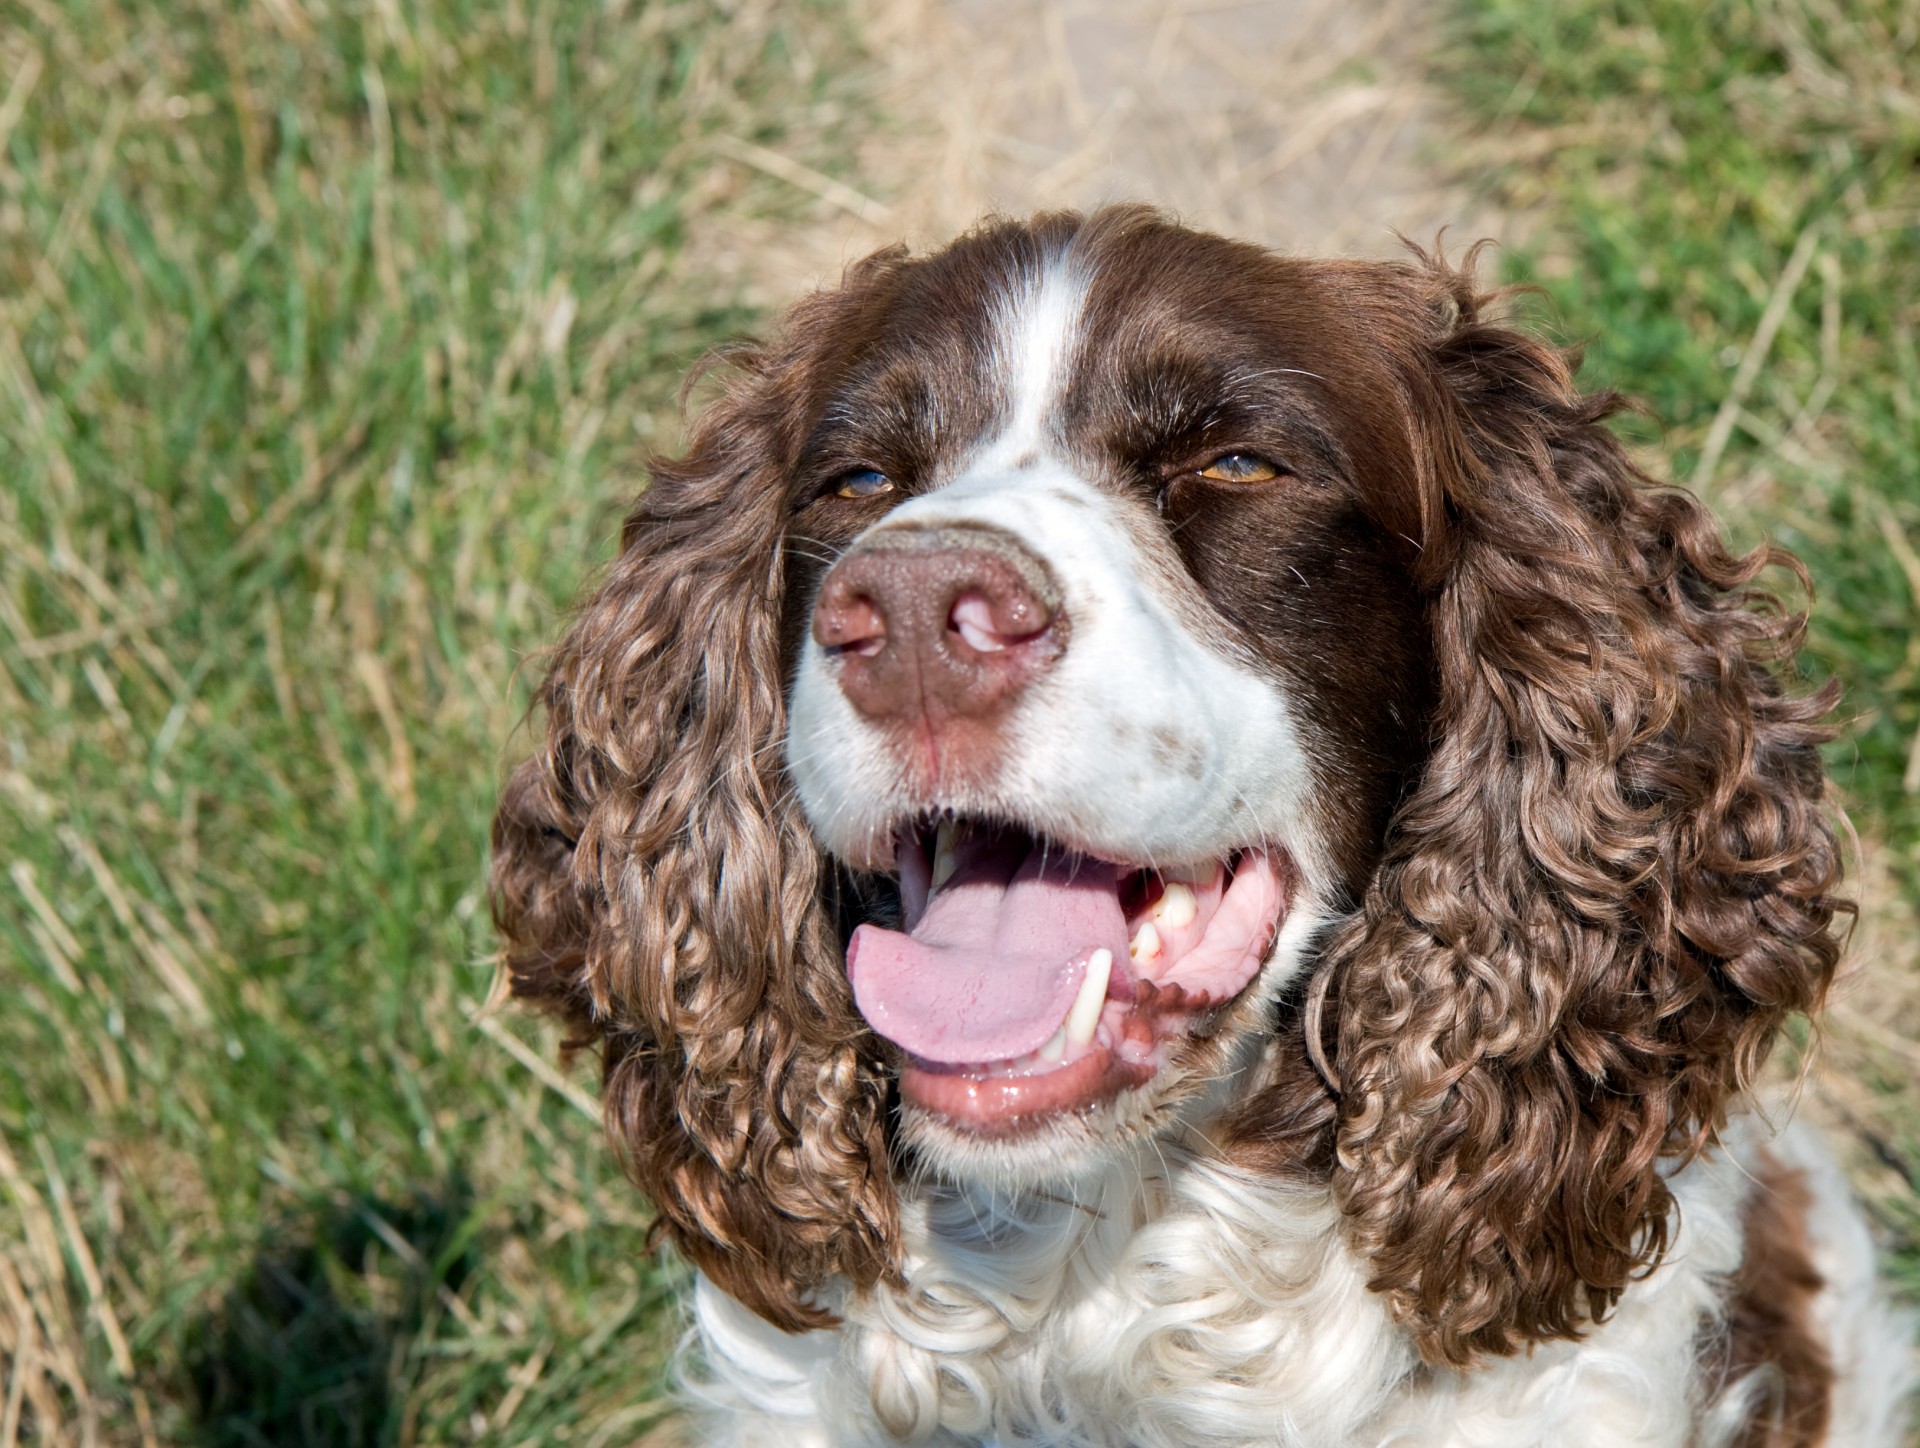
[1154,570]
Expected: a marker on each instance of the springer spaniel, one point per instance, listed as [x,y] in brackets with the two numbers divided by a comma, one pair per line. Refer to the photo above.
[1168,846]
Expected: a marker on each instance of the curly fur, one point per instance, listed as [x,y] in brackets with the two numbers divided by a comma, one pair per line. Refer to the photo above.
[1608,885]
[655,882]
[1612,887]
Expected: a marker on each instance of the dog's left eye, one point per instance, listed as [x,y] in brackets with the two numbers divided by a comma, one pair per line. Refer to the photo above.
[1239,468]
[863,483]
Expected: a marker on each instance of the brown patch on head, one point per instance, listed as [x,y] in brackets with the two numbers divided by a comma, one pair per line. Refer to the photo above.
[1770,1327]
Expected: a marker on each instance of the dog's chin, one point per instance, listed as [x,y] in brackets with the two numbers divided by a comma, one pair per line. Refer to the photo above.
[1059,1151]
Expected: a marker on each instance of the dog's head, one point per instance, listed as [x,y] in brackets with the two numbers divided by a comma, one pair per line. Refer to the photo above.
[1102,677]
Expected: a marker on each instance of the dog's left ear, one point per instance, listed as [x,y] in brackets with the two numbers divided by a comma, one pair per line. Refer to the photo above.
[1611,885]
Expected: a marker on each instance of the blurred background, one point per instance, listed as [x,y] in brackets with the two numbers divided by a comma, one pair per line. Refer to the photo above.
[333,337]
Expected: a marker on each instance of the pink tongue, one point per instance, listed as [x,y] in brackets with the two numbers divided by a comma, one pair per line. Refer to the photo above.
[992,967]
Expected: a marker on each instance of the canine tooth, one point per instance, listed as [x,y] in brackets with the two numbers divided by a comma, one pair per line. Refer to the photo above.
[1056,1045]
[1177,906]
[1085,1015]
[1186,874]
[942,854]
[1145,944]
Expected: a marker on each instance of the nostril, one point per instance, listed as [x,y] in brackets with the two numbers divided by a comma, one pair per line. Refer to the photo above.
[852,625]
[988,630]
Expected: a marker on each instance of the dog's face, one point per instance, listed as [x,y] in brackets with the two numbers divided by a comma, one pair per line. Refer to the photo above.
[1039,645]
[1079,564]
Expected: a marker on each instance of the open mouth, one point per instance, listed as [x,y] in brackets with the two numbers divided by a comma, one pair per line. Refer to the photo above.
[1032,980]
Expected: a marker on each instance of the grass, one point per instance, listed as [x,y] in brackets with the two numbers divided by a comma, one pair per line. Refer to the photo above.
[1723,204]
[332,335]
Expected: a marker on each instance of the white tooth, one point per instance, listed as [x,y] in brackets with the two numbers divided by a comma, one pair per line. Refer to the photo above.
[942,854]
[1085,1015]
[1145,944]
[1056,1046]
[1177,906]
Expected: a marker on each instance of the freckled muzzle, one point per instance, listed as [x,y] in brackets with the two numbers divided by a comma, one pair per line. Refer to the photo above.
[938,625]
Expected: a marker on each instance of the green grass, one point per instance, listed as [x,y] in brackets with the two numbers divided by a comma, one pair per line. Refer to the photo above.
[332,337]
[1723,203]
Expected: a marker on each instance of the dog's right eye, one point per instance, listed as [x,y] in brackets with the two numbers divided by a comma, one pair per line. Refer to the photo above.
[863,483]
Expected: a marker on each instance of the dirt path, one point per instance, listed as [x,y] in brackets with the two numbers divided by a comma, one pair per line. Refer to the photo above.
[1300,123]
[1304,124]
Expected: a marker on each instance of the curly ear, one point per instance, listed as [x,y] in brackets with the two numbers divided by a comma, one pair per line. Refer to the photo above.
[1612,884]
[653,881]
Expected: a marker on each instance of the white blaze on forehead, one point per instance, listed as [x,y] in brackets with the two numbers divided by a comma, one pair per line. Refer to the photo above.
[1037,323]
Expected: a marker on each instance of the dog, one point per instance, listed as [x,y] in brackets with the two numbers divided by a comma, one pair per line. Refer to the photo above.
[1166,845]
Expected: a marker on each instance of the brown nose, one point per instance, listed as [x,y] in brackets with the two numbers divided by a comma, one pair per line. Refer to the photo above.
[949,623]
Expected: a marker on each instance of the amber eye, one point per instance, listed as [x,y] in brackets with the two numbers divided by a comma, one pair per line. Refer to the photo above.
[1240,468]
[863,483]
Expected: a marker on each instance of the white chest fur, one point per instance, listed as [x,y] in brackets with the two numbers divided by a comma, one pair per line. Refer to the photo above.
[1182,1303]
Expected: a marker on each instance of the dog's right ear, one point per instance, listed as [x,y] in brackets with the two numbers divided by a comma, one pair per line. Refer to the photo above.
[654,881]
